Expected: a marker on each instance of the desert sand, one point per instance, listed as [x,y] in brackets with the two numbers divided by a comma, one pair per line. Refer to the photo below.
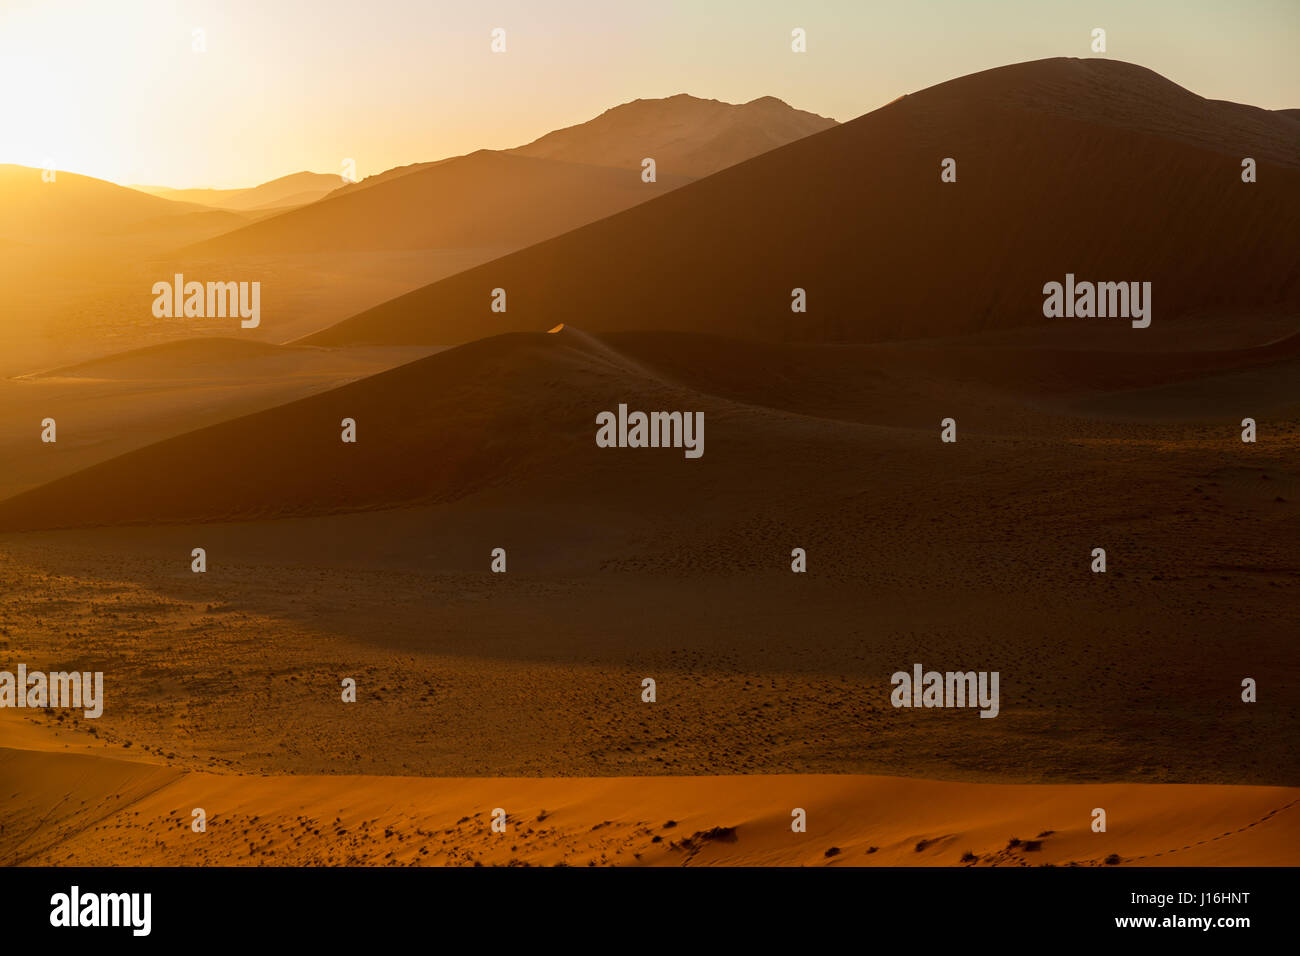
[329,560]
[375,557]
[94,806]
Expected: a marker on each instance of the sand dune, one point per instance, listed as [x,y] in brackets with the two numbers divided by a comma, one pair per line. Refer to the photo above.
[166,230]
[643,562]
[1063,166]
[120,402]
[295,189]
[287,203]
[462,405]
[483,199]
[834,382]
[81,210]
[432,430]
[1128,96]
[84,810]
[521,690]
[171,359]
[388,175]
[77,306]
[686,135]
[204,358]
[516,197]
[317,266]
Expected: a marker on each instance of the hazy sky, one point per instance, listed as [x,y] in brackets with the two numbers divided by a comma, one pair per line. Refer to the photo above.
[116,90]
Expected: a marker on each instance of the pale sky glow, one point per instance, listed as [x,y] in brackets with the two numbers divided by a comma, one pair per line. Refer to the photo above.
[115,90]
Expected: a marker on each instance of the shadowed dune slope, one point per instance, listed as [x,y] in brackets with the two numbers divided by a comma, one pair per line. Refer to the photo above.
[1130,97]
[516,197]
[430,430]
[1062,166]
[483,199]
[835,381]
[108,406]
[519,409]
